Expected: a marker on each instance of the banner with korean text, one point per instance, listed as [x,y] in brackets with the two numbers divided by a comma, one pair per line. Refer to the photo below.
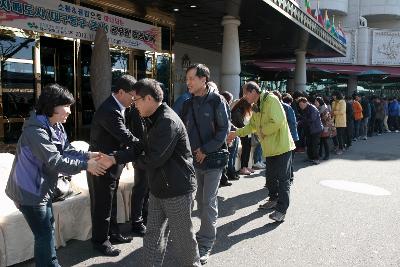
[68,20]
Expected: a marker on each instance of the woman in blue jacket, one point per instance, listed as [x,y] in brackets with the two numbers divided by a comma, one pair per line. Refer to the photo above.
[43,155]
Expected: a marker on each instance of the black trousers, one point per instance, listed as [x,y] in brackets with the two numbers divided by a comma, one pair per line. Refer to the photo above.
[312,141]
[140,198]
[103,203]
[278,172]
[246,147]
[379,125]
[349,133]
[324,145]
[341,136]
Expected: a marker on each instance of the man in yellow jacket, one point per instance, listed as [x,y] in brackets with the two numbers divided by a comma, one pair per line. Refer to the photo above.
[270,124]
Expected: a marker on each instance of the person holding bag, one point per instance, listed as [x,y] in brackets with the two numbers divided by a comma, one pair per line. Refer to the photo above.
[207,123]
[43,155]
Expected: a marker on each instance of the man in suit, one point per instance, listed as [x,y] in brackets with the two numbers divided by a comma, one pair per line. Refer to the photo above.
[109,133]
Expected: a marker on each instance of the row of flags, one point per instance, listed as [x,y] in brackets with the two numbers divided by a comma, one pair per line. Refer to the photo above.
[324,21]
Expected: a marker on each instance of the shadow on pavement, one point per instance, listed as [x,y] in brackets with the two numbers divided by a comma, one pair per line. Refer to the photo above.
[229,206]
[131,259]
[225,241]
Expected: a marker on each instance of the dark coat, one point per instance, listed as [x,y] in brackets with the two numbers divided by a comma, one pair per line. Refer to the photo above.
[109,133]
[312,120]
[168,159]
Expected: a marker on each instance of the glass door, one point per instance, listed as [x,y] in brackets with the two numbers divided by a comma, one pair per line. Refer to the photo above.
[57,66]
[17,87]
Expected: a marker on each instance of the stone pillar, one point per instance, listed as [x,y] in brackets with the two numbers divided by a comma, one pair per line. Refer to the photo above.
[290,85]
[230,67]
[363,46]
[300,74]
[351,85]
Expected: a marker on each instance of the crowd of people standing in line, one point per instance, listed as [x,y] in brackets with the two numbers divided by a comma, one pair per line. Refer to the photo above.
[178,153]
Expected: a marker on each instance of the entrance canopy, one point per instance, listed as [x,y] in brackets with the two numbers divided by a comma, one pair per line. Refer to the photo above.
[327,69]
[270,29]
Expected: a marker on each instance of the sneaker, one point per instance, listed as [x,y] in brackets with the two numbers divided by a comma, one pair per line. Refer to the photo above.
[379,134]
[396,131]
[225,184]
[204,254]
[277,216]
[365,138]
[269,204]
[315,162]
[234,176]
[354,139]
[339,152]
[259,165]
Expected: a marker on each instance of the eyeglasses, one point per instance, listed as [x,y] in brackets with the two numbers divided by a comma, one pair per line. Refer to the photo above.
[136,99]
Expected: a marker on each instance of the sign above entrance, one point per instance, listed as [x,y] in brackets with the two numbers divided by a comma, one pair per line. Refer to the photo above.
[68,20]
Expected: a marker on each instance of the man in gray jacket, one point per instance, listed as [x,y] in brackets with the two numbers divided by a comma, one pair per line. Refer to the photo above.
[206,120]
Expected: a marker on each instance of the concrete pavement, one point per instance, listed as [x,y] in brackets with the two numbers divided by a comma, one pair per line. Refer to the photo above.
[323,226]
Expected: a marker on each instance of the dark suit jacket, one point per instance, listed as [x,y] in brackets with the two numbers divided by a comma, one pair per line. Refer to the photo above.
[109,132]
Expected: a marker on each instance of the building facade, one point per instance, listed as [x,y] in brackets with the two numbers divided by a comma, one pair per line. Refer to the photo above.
[51,41]
[44,42]
[372,30]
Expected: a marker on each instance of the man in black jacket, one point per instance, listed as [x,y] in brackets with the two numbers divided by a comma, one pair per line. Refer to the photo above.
[168,163]
[108,134]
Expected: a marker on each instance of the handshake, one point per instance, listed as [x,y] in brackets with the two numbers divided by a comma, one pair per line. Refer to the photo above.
[98,163]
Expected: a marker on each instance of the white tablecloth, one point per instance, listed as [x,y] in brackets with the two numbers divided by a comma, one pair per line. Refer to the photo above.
[72,216]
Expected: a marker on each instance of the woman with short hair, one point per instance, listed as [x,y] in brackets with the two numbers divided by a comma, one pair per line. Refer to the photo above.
[43,155]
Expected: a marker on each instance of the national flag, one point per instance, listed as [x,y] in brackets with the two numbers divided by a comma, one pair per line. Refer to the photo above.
[333,29]
[327,22]
[341,35]
[318,15]
[308,6]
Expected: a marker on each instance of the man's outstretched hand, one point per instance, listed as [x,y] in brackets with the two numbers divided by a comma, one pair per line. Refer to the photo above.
[106,160]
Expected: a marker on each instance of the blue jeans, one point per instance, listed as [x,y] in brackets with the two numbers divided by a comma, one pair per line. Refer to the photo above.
[258,154]
[41,221]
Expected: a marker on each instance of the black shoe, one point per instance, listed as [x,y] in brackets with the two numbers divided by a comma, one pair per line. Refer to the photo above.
[225,184]
[326,158]
[107,250]
[233,177]
[119,239]
[139,229]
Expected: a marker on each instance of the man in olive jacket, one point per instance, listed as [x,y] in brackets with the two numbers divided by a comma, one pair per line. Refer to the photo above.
[269,123]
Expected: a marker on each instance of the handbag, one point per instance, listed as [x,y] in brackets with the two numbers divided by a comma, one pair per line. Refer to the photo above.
[63,189]
[213,160]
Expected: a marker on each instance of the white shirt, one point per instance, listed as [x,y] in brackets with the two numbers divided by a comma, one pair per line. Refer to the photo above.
[121,107]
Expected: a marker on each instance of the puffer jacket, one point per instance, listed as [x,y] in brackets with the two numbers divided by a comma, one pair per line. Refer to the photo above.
[312,120]
[41,156]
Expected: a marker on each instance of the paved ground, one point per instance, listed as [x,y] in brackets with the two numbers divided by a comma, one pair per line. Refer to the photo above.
[323,227]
